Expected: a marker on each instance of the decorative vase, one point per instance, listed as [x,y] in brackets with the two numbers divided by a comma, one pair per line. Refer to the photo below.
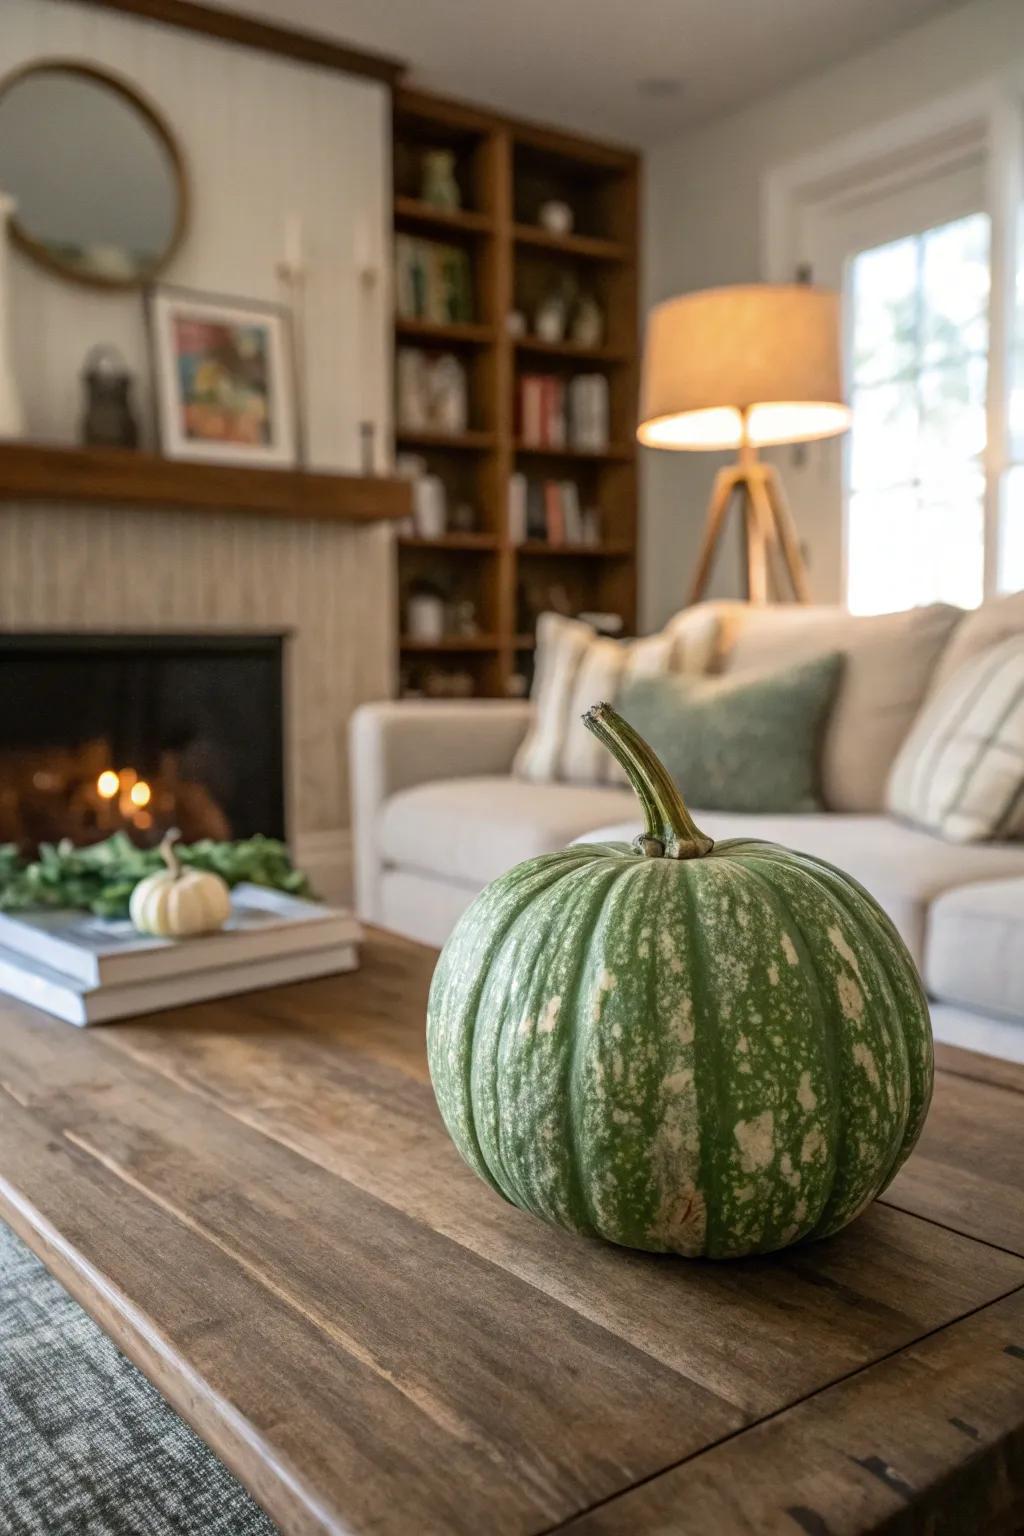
[12,414]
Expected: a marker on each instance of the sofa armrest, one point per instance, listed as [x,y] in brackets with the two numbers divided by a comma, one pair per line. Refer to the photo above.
[393,746]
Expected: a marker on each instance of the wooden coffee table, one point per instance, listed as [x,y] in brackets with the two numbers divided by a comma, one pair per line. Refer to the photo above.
[256,1198]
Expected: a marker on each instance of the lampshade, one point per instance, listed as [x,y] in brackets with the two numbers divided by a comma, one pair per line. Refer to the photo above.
[766,351]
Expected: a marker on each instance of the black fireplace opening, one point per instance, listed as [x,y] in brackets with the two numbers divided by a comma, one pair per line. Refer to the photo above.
[138,734]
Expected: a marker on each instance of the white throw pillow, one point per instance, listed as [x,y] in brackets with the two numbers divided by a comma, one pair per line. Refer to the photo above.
[960,772]
[575,667]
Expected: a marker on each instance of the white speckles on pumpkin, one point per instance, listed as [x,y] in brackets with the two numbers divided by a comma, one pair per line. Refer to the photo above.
[813,1146]
[606,982]
[789,950]
[679,1082]
[756,1141]
[773,975]
[742,1045]
[525,1026]
[851,998]
[841,945]
[549,1016]
[866,1061]
[682,1021]
[805,1094]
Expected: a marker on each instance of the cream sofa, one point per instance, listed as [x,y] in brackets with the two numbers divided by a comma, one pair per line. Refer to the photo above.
[437,812]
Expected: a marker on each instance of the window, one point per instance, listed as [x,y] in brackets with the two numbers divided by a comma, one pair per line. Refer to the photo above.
[918,326]
[1010,575]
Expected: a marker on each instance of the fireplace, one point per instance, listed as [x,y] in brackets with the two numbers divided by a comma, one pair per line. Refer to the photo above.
[139,733]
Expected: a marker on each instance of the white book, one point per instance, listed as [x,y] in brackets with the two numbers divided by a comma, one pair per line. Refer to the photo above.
[517,508]
[56,993]
[98,952]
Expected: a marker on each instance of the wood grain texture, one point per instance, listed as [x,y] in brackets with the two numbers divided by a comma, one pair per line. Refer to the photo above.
[968,1170]
[118,477]
[256,1197]
[874,1453]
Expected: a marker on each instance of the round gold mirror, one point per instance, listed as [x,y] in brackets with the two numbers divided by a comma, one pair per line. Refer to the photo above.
[98,180]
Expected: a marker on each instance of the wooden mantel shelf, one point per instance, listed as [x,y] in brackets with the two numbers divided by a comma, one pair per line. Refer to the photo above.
[117,476]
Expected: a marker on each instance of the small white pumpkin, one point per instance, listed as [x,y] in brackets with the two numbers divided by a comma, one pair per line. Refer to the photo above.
[177,902]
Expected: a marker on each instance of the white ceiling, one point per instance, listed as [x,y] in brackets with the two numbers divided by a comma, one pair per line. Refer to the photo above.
[581,64]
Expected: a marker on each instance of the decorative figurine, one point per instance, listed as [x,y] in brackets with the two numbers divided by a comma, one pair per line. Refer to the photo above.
[108,420]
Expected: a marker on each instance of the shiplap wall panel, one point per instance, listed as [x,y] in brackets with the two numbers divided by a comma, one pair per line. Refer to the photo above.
[264,139]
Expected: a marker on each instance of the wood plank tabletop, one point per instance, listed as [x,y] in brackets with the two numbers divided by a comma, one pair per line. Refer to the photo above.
[257,1199]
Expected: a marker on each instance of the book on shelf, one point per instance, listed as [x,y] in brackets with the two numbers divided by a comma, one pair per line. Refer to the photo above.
[433,281]
[542,411]
[550,512]
[588,411]
[88,969]
[555,415]
[517,521]
[554,511]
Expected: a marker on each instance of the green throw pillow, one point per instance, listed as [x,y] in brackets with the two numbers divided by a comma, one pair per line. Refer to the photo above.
[743,743]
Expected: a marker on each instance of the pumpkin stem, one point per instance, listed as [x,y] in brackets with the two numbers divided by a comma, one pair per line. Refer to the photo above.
[168,854]
[669,829]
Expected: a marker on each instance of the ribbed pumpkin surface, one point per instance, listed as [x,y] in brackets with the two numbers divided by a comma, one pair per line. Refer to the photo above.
[715,1055]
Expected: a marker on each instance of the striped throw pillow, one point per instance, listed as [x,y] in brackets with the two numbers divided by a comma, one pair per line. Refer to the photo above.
[960,771]
[576,667]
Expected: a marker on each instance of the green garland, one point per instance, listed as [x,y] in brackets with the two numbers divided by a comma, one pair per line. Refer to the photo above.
[101,878]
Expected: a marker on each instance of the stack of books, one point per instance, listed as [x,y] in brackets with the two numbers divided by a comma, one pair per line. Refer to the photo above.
[554,415]
[549,511]
[432,281]
[90,970]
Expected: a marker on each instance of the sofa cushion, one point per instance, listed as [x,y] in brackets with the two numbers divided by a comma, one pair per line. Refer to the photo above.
[471,830]
[890,659]
[960,772]
[974,953]
[980,629]
[904,869]
[741,743]
[977,1031]
[575,668]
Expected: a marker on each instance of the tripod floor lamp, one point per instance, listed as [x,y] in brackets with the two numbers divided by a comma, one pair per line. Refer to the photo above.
[746,368]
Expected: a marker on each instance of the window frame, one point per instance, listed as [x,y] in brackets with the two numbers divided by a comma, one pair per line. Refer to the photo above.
[801,196]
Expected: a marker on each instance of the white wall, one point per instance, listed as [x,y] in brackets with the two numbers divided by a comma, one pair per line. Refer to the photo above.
[264,139]
[703,227]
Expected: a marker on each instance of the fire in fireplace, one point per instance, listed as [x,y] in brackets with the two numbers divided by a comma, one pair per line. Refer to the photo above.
[140,733]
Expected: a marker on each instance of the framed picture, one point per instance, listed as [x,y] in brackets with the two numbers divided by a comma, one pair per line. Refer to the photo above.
[224,378]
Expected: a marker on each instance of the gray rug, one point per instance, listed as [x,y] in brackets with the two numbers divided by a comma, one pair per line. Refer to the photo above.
[87,1446]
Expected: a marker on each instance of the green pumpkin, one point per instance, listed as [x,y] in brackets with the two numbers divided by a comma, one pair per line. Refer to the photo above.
[706,1049]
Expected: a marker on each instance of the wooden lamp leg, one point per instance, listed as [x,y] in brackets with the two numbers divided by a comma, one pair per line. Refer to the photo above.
[725,483]
[757,554]
[787,533]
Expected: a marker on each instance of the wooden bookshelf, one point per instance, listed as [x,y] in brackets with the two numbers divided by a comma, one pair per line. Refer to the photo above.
[505,170]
